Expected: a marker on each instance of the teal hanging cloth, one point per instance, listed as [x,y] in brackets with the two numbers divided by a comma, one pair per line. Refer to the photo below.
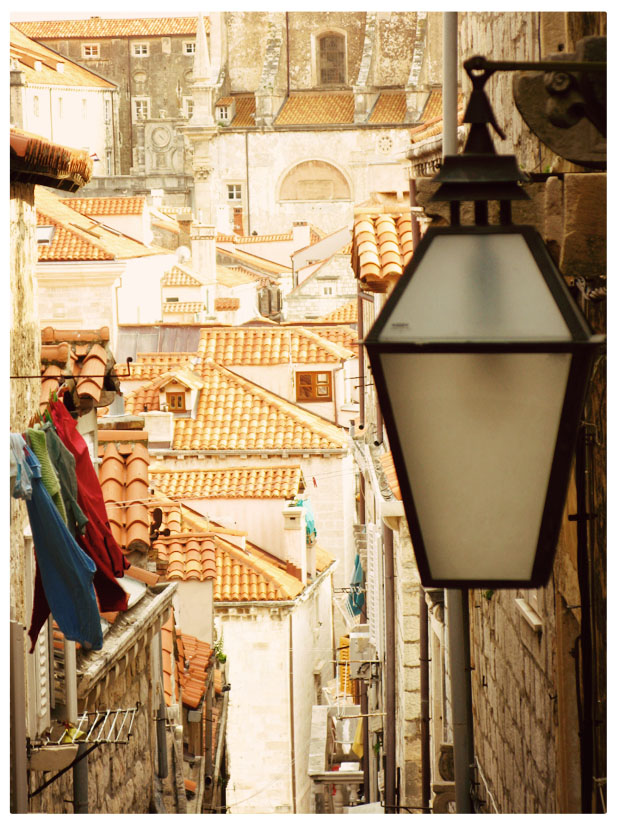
[356,596]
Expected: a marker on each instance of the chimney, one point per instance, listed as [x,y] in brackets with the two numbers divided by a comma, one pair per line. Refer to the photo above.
[203,237]
[301,235]
[295,542]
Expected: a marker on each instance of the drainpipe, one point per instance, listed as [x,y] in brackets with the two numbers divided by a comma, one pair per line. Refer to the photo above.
[288,61]
[162,746]
[247,181]
[80,781]
[425,731]
[450,82]
[390,675]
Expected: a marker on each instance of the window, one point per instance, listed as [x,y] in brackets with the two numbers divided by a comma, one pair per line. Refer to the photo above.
[331,59]
[107,110]
[90,50]
[313,386]
[108,162]
[222,114]
[60,107]
[328,290]
[84,109]
[176,402]
[188,107]
[35,106]
[315,181]
[234,192]
[140,49]
[189,47]
[141,108]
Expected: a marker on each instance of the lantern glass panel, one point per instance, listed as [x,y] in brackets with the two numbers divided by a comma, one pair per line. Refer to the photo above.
[484,287]
[477,436]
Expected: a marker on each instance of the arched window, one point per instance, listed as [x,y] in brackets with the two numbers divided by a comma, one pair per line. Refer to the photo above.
[331,59]
[315,181]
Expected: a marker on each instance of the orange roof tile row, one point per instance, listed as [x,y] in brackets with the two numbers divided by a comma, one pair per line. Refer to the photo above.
[123,475]
[178,277]
[226,303]
[44,67]
[95,27]
[391,107]
[82,358]
[345,314]
[185,557]
[340,334]
[268,346]
[245,110]
[197,657]
[271,482]
[183,307]
[235,414]
[47,163]
[80,238]
[382,246]
[152,365]
[117,205]
[316,108]
[387,463]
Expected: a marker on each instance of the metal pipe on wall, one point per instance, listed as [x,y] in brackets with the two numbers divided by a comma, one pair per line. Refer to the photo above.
[425,718]
[460,679]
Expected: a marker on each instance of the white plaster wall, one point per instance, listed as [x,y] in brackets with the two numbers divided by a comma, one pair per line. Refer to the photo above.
[258,731]
[135,226]
[193,608]
[139,296]
[69,123]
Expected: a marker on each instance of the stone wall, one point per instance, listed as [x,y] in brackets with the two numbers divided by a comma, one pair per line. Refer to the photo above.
[308,300]
[120,777]
[407,640]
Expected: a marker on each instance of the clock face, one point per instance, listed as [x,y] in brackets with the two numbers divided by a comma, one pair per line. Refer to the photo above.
[160,136]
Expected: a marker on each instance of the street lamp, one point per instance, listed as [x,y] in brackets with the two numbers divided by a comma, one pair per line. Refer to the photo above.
[481,361]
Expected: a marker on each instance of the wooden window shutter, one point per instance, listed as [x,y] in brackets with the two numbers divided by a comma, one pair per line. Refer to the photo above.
[39,684]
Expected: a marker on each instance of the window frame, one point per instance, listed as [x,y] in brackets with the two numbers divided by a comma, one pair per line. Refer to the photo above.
[172,397]
[234,187]
[321,58]
[142,44]
[186,44]
[314,384]
[94,55]
[141,99]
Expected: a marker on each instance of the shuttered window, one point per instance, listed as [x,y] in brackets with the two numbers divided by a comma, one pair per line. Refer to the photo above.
[314,386]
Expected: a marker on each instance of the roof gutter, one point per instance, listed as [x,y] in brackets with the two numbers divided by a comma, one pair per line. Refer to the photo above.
[180,454]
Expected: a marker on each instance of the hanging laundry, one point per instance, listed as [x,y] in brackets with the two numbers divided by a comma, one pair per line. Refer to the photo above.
[64,463]
[65,571]
[97,540]
[21,487]
[36,438]
[356,596]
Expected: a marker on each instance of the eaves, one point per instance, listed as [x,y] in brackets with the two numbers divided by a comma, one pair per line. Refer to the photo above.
[263,454]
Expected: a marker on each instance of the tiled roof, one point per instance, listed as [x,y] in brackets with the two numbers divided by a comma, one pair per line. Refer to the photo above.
[197,657]
[38,161]
[431,121]
[267,346]
[224,101]
[118,205]
[235,276]
[44,67]
[263,264]
[234,414]
[80,354]
[152,365]
[345,314]
[80,238]
[179,277]
[226,303]
[95,27]
[270,482]
[340,334]
[245,109]
[316,108]
[387,463]
[123,475]
[382,246]
[391,107]
[183,307]
[261,239]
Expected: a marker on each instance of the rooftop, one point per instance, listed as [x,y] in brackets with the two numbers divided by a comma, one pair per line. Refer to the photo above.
[36,160]
[96,27]
[382,246]
[266,482]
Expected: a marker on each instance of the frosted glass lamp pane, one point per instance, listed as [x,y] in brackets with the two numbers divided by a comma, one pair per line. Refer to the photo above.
[478,433]
[482,287]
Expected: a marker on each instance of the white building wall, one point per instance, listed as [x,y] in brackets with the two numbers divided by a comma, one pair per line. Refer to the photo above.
[258,731]
[139,296]
[193,608]
[71,116]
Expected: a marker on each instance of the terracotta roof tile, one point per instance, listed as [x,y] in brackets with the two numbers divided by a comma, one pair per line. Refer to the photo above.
[431,121]
[118,205]
[251,260]
[123,474]
[387,463]
[391,107]
[226,303]
[245,109]
[268,346]
[278,481]
[152,365]
[382,246]
[316,108]
[44,67]
[235,414]
[178,277]
[96,27]
[80,354]
[345,314]
[182,307]
[79,237]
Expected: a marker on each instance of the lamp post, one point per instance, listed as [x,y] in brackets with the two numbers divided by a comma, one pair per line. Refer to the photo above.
[481,361]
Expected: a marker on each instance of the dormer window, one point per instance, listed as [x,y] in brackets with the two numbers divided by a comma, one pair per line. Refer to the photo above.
[331,59]
[313,386]
[176,402]
[222,113]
